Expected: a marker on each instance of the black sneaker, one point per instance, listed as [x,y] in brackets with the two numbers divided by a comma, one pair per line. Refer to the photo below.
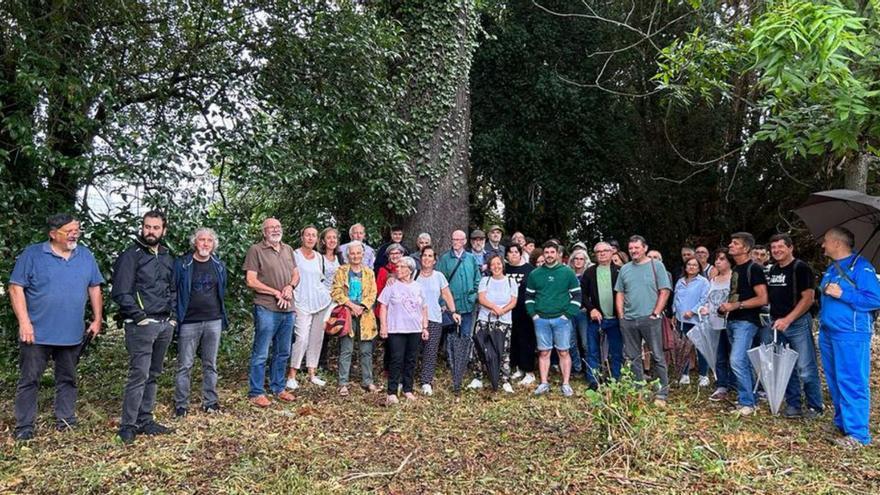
[180,412]
[211,408]
[24,435]
[811,413]
[127,434]
[593,386]
[154,428]
[65,425]
[792,412]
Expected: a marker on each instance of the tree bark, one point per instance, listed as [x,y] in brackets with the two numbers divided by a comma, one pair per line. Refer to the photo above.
[443,202]
[856,171]
[442,207]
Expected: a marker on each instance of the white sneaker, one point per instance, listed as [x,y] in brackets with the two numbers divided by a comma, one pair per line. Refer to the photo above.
[516,375]
[475,383]
[704,381]
[685,380]
[317,381]
[528,379]
[427,389]
[292,384]
[507,388]
[744,411]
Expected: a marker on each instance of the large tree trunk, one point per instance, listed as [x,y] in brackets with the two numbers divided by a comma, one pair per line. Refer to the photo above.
[856,171]
[442,205]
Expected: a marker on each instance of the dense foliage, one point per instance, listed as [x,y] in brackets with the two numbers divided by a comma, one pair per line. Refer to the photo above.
[677,120]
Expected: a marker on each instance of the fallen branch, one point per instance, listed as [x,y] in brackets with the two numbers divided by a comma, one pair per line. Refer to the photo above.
[355,476]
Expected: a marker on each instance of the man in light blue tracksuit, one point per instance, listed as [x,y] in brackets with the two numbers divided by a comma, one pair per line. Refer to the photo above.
[850,295]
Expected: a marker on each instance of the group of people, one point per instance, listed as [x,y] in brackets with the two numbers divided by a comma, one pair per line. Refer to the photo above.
[592,315]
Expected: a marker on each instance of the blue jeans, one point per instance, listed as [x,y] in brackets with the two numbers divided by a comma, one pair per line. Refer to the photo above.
[741,333]
[702,365]
[203,336]
[553,333]
[578,326]
[723,373]
[799,336]
[593,347]
[275,328]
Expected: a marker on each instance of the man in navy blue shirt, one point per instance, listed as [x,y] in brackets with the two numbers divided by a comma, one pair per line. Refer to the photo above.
[48,289]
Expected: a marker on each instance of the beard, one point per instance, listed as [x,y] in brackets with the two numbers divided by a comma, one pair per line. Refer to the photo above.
[274,238]
[150,240]
[204,253]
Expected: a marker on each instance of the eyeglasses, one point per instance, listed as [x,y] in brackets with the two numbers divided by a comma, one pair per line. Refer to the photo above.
[276,227]
[73,232]
[603,250]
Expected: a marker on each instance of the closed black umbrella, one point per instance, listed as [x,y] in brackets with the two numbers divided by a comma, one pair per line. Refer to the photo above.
[460,352]
[489,344]
[855,211]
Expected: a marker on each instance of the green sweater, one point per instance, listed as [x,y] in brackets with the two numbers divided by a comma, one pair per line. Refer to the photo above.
[553,291]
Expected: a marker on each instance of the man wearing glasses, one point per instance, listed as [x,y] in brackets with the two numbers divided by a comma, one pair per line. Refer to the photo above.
[48,289]
[270,271]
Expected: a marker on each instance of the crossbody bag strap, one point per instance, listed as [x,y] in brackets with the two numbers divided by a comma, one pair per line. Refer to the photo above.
[452,274]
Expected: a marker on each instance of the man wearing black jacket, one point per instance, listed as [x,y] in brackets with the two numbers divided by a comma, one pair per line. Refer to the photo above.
[144,289]
[597,287]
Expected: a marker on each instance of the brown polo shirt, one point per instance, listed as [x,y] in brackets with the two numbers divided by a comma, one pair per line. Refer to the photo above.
[274,268]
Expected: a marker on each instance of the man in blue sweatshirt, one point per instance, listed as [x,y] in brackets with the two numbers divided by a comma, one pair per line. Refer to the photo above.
[850,295]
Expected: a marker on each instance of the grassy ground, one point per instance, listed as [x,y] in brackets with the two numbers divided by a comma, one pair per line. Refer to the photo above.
[487,443]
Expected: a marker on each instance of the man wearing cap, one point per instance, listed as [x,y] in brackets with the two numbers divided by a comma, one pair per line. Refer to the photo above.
[477,248]
[495,246]
[48,289]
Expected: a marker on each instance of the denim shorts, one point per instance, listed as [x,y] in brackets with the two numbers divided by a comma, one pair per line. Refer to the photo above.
[553,332]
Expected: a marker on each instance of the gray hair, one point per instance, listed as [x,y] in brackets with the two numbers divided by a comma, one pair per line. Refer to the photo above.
[205,230]
[355,244]
[395,247]
[424,236]
[409,262]
[351,229]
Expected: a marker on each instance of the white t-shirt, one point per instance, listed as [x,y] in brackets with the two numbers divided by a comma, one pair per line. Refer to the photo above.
[311,295]
[431,287]
[498,292]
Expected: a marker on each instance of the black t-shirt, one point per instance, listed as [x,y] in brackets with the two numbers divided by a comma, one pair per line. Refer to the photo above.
[204,296]
[785,285]
[743,280]
[519,274]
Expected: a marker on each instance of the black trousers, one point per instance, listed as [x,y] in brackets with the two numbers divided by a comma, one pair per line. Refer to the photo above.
[403,349]
[33,359]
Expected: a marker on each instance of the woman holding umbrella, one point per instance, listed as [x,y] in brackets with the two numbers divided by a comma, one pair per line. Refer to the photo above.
[691,291]
[719,291]
[404,318]
[497,295]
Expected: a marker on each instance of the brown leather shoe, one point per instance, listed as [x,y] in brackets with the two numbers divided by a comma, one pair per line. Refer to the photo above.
[260,401]
[285,396]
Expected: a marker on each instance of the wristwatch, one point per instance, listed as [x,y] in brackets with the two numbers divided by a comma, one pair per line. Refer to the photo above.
[655,316]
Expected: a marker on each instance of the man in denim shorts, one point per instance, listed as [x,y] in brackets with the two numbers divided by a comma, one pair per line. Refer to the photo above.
[553,299]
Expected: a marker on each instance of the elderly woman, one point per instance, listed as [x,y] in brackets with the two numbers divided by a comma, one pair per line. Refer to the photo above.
[690,295]
[434,287]
[423,241]
[403,315]
[354,286]
[311,300]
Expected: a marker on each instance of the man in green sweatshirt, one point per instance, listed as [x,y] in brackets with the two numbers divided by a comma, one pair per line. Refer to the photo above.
[553,298]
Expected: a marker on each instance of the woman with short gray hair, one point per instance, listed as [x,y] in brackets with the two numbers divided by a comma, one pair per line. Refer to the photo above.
[404,320]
